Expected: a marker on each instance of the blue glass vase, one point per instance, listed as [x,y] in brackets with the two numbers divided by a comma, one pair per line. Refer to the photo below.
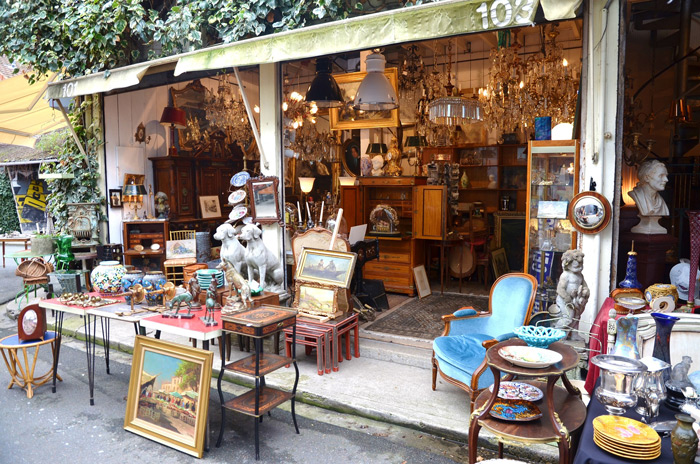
[626,338]
[630,280]
[662,348]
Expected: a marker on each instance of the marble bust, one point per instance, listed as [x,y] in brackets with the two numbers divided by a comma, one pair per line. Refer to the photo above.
[653,177]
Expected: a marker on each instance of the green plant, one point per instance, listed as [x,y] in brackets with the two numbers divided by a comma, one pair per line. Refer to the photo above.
[83,188]
[8,211]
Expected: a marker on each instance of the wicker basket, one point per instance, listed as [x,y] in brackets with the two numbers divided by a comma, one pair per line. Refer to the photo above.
[33,268]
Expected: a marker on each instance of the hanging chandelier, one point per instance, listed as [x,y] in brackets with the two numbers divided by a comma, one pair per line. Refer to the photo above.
[453,110]
[519,91]
[227,113]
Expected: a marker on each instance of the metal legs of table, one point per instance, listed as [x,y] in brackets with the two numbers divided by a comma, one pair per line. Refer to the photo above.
[90,325]
[58,328]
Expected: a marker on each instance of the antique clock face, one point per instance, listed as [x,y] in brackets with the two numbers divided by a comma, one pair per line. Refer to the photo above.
[31,323]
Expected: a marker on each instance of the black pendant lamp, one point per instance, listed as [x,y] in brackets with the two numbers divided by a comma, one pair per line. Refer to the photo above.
[324,91]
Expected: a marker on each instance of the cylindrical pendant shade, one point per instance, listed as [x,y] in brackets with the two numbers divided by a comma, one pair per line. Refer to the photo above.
[174,116]
[324,90]
[376,92]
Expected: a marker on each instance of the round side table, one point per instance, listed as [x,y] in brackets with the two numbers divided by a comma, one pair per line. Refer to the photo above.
[562,409]
[14,353]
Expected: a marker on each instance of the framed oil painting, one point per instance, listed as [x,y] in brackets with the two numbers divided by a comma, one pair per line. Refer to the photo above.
[211,208]
[346,117]
[168,398]
[326,267]
[422,283]
[176,249]
[316,299]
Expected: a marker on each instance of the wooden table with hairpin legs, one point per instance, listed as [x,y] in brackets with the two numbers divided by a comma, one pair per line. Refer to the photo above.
[563,412]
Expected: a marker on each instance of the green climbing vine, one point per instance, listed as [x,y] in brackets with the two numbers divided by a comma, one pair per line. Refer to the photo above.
[8,212]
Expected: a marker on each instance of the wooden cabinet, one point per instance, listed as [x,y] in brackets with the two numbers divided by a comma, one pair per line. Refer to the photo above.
[421,212]
[145,234]
[494,172]
[184,179]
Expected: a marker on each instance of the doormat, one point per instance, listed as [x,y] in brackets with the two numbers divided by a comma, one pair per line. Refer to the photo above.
[423,318]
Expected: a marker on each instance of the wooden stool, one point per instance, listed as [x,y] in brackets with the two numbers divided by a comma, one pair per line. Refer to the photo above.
[352,323]
[312,337]
[18,366]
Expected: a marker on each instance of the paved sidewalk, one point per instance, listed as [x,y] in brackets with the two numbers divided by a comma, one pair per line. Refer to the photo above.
[389,382]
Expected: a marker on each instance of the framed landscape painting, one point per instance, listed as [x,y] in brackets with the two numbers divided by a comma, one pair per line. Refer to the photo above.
[326,267]
[168,398]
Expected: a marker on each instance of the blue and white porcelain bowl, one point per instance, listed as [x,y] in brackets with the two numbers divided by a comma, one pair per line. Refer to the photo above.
[539,337]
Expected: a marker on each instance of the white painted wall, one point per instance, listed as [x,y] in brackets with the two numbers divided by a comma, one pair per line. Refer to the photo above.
[123,113]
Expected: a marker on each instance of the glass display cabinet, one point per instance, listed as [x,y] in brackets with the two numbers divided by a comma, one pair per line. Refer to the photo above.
[553,182]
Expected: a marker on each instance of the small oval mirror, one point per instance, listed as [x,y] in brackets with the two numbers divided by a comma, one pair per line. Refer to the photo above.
[589,212]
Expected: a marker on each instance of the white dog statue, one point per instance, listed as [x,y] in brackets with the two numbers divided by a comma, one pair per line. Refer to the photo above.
[231,249]
[258,257]
[572,292]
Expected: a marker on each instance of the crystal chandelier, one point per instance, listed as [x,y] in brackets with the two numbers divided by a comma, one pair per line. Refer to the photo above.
[453,110]
[227,113]
[519,91]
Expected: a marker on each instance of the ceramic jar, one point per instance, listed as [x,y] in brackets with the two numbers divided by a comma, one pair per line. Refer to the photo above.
[684,440]
[661,297]
[131,278]
[107,277]
[154,280]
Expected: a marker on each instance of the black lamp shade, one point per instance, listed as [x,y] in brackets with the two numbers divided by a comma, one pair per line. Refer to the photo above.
[324,90]
[133,190]
[377,149]
[415,141]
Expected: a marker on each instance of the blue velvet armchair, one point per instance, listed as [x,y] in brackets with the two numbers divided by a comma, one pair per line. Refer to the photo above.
[459,354]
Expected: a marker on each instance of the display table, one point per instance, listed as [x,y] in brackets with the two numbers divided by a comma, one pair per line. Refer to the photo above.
[90,316]
[590,453]
[4,240]
[192,328]
[18,366]
[563,412]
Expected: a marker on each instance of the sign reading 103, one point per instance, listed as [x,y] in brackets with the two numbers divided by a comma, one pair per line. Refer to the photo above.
[503,13]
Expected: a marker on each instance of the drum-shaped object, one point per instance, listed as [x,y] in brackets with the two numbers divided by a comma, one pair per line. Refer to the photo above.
[464,256]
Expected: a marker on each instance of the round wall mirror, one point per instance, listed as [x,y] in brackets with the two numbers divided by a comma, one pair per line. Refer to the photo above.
[589,212]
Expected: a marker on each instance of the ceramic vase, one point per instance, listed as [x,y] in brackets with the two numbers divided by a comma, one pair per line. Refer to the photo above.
[694,218]
[662,351]
[64,256]
[630,280]
[154,280]
[626,339]
[131,278]
[107,277]
[684,440]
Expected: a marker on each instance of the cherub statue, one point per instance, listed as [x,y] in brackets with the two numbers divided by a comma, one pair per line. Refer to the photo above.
[572,292]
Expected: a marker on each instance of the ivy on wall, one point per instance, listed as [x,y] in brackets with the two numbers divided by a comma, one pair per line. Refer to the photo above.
[88,36]
[8,212]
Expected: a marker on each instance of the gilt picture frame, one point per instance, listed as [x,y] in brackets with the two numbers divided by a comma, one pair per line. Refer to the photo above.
[327,267]
[317,299]
[346,117]
[168,398]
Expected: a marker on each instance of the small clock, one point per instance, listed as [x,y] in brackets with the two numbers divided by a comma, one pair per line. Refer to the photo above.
[31,323]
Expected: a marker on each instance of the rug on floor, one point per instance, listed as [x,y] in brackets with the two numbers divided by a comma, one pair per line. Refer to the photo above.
[422,318]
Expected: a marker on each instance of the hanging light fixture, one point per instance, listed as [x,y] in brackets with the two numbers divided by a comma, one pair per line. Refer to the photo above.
[323,91]
[376,92]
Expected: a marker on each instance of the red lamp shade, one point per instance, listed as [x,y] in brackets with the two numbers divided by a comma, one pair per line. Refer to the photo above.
[174,116]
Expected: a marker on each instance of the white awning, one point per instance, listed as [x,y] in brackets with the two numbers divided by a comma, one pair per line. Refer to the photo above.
[423,22]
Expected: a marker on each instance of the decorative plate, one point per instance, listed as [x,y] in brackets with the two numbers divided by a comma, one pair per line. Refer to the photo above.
[528,356]
[138,247]
[239,179]
[518,391]
[619,428]
[238,212]
[236,197]
[515,410]
[155,247]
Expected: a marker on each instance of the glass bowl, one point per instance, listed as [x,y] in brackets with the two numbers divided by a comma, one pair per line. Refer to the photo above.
[539,337]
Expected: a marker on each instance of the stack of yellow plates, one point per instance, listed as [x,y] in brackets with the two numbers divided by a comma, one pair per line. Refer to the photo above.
[626,437]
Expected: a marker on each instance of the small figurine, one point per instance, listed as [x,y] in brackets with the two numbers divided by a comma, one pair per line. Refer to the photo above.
[492,181]
[679,374]
[182,297]
[194,289]
[211,305]
[393,157]
[162,206]
[378,165]
[464,181]
[238,287]
[572,292]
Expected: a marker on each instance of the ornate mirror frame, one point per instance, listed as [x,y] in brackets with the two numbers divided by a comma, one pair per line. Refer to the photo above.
[254,196]
[578,221]
[191,100]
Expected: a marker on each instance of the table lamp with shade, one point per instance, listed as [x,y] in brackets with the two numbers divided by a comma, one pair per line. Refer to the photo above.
[307,184]
[175,118]
[132,196]
[414,145]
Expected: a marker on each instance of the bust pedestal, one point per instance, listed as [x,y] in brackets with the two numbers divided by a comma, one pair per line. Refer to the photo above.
[651,255]
[648,225]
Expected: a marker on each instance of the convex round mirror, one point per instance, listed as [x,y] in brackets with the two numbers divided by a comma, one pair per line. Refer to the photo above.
[589,212]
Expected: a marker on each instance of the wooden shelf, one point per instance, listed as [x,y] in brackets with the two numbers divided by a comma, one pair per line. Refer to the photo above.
[268,363]
[269,399]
